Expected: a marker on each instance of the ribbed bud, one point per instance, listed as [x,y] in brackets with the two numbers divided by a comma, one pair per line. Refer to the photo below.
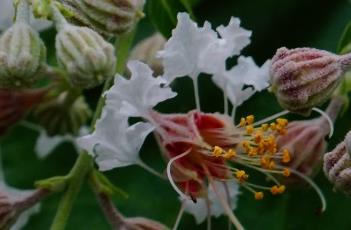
[14,104]
[140,223]
[105,16]
[305,77]
[64,114]
[146,50]
[22,52]
[306,142]
[85,55]
[337,166]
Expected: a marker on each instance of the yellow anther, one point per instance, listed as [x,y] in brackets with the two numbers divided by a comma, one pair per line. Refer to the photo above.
[278,189]
[217,151]
[264,127]
[280,129]
[271,165]
[249,129]
[241,176]
[230,154]
[246,145]
[273,126]
[281,189]
[242,122]
[265,160]
[252,152]
[258,137]
[286,156]
[259,195]
[282,122]
[286,172]
[250,119]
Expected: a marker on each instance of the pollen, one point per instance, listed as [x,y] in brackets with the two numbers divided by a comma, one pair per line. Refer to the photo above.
[230,154]
[241,176]
[217,151]
[286,156]
[259,195]
[286,172]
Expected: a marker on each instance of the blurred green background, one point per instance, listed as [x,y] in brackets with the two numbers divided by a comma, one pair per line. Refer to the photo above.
[275,23]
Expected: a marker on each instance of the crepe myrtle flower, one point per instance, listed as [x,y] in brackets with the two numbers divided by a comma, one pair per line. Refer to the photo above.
[204,151]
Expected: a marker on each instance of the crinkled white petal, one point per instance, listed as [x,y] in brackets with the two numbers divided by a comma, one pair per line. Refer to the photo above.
[139,94]
[249,73]
[199,209]
[7,12]
[233,40]
[46,144]
[114,143]
[235,36]
[182,51]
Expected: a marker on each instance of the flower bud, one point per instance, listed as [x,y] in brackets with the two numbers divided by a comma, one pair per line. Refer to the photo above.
[15,104]
[85,55]
[64,114]
[105,16]
[304,144]
[146,51]
[304,77]
[22,52]
[337,166]
[140,223]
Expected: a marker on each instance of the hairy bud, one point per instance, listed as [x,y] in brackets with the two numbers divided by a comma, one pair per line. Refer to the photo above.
[14,104]
[105,16]
[22,52]
[85,55]
[146,51]
[305,142]
[337,166]
[304,77]
[64,114]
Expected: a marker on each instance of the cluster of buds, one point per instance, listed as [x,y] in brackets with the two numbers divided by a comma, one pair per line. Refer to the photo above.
[22,52]
[337,166]
[305,77]
[107,17]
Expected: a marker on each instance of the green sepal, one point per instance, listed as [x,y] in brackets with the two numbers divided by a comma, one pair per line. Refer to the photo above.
[103,185]
[344,45]
[54,184]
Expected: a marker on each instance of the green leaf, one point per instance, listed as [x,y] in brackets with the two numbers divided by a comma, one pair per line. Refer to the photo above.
[163,13]
[345,41]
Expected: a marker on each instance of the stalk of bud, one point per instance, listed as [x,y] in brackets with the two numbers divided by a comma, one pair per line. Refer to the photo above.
[84,54]
[22,52]
[303,78]
[146,51]
[303,146]
[140,223]
[106,16]
[15,104]
[337,166]
[63,114]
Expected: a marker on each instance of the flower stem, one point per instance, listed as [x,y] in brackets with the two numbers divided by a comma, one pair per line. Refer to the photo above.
[84,163]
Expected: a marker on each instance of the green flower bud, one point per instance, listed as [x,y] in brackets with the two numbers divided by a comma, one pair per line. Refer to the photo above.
[64,114]
[105,16]
[85,55]
[22,52]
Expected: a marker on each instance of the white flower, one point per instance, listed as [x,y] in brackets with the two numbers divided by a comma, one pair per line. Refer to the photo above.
[135,97]
[233,40]
[46,144]
[7,12]
[199,209]
[182,51]
[114,143]
[248,73]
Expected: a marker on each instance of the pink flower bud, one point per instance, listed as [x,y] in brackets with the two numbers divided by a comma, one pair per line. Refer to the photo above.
[14,104]
[337,166]
[305,142]
[305,77]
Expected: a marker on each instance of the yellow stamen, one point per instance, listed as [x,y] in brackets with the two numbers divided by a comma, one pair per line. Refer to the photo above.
[264,127]
[242,122]
[249,129]
[259,195]
[286,156]
[229,154]
[250,119]
[217,151]
[286,172]
[282,122]
[241,176]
